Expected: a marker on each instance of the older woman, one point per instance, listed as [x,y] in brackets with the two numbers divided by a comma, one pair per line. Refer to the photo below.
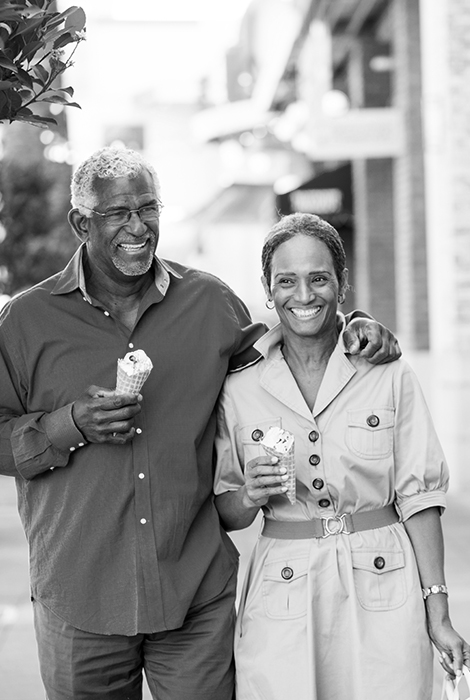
[346,586]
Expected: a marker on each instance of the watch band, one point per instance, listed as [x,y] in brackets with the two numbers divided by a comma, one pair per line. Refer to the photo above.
[436,588]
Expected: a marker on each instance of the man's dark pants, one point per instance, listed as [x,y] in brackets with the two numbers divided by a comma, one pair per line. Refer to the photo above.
[194,662]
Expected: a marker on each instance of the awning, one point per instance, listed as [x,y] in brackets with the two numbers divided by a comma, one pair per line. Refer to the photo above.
[276,25]
[328,194]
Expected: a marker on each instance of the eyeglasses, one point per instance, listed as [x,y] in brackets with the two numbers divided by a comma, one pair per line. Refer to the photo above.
[119,217]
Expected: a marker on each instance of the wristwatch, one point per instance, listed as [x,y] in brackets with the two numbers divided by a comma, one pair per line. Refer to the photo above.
[437,588]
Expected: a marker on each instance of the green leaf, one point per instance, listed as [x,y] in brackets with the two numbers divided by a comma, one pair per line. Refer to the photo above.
[25,78]
[58,99]
[58,19]
[76,20]
[26,94]
[6,63]
[63,41]
[5,84]
[9,15]
[68,90]
[41,73]
[36,121]
[11,103]
[30,49]
[5,28]
[29,25]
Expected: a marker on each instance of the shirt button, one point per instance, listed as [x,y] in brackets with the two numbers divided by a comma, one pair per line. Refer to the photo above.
[287,573]
[373,421]
[81,444]
[318,484]
[138,431]
[257,434]
[313,436]
[106,313]
[324,503]
[314,460]
[72,449]
[141,476]
[143,521]
[379,562]
[131,345]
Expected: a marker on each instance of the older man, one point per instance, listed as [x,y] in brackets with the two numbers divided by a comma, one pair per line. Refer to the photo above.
[130,568]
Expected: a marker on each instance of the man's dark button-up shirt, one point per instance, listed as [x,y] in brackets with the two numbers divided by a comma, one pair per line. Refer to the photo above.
[123,539]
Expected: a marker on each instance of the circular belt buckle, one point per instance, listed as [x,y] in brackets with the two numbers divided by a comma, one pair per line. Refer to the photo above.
[339,527]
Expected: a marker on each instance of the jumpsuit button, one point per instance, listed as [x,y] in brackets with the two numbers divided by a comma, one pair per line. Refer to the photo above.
[373,421]
[318,484]
[379,562]
[314,460]
[324,503]
[287,573]
[313,436]
[257,435]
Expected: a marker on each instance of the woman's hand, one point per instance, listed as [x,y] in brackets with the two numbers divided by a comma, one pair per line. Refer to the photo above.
[453,650]
[263,478]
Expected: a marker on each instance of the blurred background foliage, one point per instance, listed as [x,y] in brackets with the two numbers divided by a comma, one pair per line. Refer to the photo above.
[35,238]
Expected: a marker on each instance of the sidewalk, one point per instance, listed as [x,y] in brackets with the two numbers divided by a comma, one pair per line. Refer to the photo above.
[19,672]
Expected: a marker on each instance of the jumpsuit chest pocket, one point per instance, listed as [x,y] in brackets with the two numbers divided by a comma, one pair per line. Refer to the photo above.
[370,432]
[251,436]
[285,588]
[379,578]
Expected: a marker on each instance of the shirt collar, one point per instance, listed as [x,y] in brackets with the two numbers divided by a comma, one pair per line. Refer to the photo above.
[269,343]
[73,275]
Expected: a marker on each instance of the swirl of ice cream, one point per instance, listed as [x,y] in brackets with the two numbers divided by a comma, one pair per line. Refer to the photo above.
[278,440]
[132,371]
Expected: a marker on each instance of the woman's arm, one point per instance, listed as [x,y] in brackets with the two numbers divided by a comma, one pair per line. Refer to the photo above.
[263,479]
[425,532]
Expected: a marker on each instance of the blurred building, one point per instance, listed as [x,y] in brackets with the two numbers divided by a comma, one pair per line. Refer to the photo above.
[380,89]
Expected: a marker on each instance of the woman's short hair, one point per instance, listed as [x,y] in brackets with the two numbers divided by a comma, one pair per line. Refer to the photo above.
[303,225]
[106,164]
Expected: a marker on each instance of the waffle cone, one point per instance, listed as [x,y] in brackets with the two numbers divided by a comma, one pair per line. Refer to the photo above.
[286,460]
[132,384]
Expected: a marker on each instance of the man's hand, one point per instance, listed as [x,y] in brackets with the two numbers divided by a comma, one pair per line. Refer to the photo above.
[101,415]
[369,339]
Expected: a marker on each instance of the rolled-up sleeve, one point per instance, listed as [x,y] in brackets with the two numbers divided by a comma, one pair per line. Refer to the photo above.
[422,474]
[30,442]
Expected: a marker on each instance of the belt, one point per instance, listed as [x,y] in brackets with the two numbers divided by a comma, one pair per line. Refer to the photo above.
[328,525]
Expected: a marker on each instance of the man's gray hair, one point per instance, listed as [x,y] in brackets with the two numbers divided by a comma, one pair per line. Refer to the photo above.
[107,164]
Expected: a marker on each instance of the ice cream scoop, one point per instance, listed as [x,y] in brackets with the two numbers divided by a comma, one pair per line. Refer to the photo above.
[132,371]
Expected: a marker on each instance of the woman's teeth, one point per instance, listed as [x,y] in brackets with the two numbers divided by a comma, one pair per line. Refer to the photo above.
[306,313]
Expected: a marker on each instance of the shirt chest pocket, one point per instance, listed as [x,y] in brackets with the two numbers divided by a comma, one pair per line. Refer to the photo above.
[379,578]
[285,588]
[251,436]
[369,433]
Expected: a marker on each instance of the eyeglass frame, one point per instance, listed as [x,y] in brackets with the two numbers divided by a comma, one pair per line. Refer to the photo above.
[159,206]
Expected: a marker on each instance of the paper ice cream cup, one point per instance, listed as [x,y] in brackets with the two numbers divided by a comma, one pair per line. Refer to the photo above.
[280,443]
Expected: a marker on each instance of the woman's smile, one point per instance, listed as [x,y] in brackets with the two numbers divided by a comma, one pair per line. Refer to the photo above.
[305,314]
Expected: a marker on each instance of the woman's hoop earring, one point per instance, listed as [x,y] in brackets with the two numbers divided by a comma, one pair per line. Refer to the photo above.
[266,303]
[341,298]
